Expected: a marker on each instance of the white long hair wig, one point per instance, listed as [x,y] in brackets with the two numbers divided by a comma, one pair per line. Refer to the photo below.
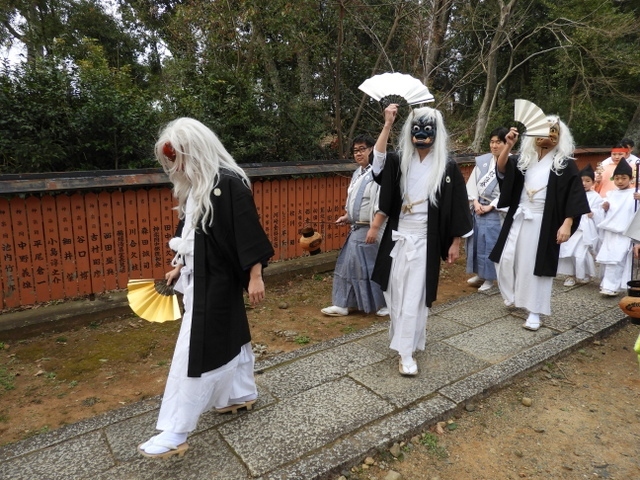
[561,152]
[440,149]
[199,156]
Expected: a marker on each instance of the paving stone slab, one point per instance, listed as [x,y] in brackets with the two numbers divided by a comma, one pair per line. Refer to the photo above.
[612,318]
[212,419]
[125,436]
[438,365]
[308,372]
[570,310]
[438,307]
[354,447]
[498,340]
[497,375]
[378,342]
[80,428]
[438,328]
[76,458]
[300,424]
[208,457]
[478,312]
[319,347]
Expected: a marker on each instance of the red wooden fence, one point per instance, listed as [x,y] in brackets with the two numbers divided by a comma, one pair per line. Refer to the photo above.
[63,237]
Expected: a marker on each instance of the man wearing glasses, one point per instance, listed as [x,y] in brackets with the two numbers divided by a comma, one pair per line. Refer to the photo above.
[352,285]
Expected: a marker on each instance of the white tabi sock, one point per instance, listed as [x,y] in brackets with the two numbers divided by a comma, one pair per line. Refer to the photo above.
[166,436]
[533,320]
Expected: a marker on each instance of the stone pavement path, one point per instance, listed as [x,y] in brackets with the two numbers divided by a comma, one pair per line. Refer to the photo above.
[325,407]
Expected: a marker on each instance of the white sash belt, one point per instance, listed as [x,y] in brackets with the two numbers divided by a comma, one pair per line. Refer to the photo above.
[406,236]
[528,209]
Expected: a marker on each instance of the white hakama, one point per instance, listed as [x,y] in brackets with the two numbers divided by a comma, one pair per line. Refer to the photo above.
[518,285]
[186,398]
[406,293]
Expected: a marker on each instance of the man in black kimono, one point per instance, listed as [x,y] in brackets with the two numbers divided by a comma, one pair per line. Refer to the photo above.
[221,250]
[544,194]
[423,193]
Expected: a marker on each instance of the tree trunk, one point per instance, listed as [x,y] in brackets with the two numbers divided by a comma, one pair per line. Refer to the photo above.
[441,11]
[381,55]
[336,85]
[492,75]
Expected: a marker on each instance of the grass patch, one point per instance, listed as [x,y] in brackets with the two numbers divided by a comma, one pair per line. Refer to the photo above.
[33,433]
[430,441]
[302,340]
[101,348]
[7,379]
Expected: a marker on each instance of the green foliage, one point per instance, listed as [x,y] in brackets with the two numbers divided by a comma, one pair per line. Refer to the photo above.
[6,380]
[302,340]
[430,440]
[278,80]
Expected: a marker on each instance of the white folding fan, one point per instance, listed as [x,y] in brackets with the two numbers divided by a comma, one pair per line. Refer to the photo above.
[391,87]
[532,117]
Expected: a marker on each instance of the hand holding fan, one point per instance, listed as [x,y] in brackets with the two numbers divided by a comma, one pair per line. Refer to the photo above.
[153,300]
[532,117]
[395,87]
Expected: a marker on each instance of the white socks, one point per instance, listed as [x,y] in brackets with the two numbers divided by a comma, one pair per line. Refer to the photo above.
[533,320]
[165,437]
[408,361]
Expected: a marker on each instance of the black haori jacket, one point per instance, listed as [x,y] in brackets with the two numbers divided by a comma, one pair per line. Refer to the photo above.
[450,218]
[565,198]
[223,257]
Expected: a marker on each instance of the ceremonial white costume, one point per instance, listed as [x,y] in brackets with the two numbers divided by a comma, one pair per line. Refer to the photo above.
[518,285]
[186,398]
[221,250]
[577,255]
[406,295]
[615,254]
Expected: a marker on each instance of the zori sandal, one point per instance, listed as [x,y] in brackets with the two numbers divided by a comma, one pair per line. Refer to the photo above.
[407,371]
[234,408]
[178,450]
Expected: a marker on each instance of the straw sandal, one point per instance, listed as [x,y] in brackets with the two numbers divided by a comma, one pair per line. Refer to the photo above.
[406,372]
[533,328]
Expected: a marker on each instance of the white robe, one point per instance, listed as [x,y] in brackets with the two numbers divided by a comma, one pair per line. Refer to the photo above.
[577,255]
[518,285]
[186,398]
[406,293]
[615,253]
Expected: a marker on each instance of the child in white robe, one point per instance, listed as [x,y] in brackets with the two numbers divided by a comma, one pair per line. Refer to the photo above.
[615,254]
[577,255]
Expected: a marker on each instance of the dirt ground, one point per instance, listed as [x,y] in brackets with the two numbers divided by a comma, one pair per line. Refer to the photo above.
[582,422]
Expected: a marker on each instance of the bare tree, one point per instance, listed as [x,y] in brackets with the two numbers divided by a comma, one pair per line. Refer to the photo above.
[490,65]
